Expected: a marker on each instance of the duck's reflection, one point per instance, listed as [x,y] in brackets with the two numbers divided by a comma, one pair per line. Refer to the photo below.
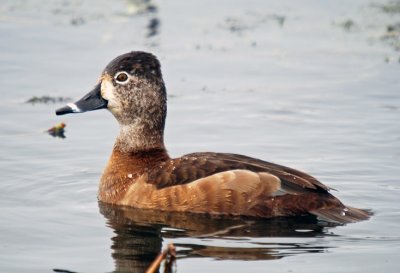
[139,236]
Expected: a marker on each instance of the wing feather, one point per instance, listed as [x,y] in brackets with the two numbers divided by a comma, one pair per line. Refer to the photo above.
[192,167]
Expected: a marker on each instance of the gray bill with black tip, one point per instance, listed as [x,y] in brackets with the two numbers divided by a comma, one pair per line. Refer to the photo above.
[91,101]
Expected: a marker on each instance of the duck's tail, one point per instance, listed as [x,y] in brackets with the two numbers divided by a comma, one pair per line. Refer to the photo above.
[342,215]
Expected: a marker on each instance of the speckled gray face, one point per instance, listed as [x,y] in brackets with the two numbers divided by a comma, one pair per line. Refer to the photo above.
[125,81]
[132,88]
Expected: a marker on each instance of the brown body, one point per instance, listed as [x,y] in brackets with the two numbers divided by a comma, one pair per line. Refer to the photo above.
[141,174]
[213,183]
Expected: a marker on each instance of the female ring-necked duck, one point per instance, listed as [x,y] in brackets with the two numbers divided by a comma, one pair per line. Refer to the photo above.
[141,174]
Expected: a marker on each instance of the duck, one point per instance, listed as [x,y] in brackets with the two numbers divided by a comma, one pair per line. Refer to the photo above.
[141,174]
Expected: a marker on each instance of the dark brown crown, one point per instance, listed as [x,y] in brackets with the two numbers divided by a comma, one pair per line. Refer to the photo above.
[136,63]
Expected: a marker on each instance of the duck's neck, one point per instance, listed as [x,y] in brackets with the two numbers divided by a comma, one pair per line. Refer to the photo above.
[139,137]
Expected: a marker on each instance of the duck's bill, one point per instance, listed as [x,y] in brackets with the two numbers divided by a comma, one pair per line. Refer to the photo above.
[92,101]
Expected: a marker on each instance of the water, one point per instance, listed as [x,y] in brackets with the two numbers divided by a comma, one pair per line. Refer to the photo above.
[288,83]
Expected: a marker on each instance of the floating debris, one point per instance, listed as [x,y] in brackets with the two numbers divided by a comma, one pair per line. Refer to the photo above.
[280,19]
[57,131]
[48,99]
[63,270]
[140,7]
[77,21]
[392,7]
[169,257]
[392,36]
[153,27]
[348,25]
[252,21]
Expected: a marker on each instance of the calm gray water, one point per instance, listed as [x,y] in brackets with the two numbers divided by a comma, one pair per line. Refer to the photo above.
[310,84]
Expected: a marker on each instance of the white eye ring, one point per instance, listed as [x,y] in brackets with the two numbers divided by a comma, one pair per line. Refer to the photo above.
[122,77]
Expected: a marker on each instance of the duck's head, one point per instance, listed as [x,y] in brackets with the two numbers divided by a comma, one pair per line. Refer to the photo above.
[131,88]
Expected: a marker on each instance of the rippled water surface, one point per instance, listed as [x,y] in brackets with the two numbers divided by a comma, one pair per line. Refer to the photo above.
[310,84]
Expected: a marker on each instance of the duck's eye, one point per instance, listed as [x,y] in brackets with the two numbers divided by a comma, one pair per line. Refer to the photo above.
[121,77]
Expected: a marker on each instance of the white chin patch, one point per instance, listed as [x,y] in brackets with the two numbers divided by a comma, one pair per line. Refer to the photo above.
[74,108]
[107,90]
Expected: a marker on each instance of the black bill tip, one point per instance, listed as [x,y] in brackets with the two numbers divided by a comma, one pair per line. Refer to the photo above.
[67,109]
